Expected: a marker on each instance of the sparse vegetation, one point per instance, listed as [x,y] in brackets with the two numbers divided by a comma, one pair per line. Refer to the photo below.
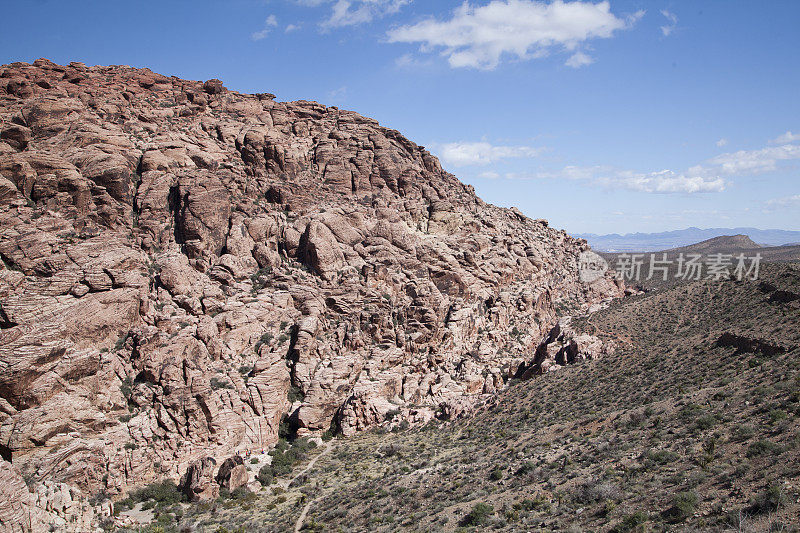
[683,435]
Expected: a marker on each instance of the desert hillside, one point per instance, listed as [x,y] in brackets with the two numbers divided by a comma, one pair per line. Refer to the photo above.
[691,425]
[188,271]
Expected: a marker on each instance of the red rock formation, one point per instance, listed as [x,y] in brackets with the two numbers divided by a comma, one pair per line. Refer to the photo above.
[177,258]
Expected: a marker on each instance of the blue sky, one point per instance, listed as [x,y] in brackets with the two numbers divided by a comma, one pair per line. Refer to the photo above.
[602,117]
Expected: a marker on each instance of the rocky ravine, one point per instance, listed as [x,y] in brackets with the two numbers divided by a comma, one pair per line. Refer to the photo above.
[183,265]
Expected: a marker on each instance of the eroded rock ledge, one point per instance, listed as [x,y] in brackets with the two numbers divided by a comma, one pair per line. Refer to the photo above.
[183,266]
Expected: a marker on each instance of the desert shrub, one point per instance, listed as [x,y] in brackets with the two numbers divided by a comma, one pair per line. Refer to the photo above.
[126,387]
[776,415]
[157,494]
[295,394]
[629,522]
[281,463]
[743,432]
[217,383]
[526,468]
[661,457]
[705,422]
[479,515]
[265,475]
[769,500]
[684,505]
[764,447]
[285,456]
[598,491]
[266,338]
[539,503]
[497,474]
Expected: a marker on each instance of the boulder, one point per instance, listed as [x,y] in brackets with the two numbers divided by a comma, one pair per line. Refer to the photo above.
[197,483]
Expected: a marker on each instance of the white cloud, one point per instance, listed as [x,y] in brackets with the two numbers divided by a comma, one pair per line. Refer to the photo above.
[754,161]
[461,154]
[709,176]
[269,24]
[578,60]
[667,29]
[354,12]
[489,175]
[785,201]
[408,61]
[664,181]
[479,37]
[291,27]
[338,94]
[786,138]
[722,142]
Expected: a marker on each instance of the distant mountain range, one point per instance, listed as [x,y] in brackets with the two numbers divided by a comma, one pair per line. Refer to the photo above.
[651,242]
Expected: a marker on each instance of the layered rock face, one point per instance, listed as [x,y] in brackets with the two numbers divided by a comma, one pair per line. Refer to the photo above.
[183,266]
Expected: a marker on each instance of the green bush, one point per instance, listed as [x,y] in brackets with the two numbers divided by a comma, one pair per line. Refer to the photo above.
[295,394]
[630,522]
[159,494]
[266,475]
[217,383]
[266,338]
[479,515]
[764,447]
[684,505]
[661,457]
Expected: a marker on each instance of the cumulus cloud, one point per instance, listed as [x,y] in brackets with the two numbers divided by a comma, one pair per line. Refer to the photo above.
[672,23]
[722,142]
[480,37]
[354,12]
[269,24]
[786,138]
[460,154]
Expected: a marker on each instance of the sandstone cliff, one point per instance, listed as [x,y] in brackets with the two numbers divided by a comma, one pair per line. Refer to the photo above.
[183,266]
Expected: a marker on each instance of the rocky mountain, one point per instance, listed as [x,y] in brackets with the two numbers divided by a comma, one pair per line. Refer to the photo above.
[188,271]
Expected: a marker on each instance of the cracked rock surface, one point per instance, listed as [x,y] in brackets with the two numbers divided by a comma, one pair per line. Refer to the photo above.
[183,266]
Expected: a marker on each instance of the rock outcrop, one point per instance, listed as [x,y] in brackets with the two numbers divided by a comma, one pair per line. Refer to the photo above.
[183,266]
[563,346]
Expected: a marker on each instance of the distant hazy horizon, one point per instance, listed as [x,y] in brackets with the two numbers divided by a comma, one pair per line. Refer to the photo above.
[652,242]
